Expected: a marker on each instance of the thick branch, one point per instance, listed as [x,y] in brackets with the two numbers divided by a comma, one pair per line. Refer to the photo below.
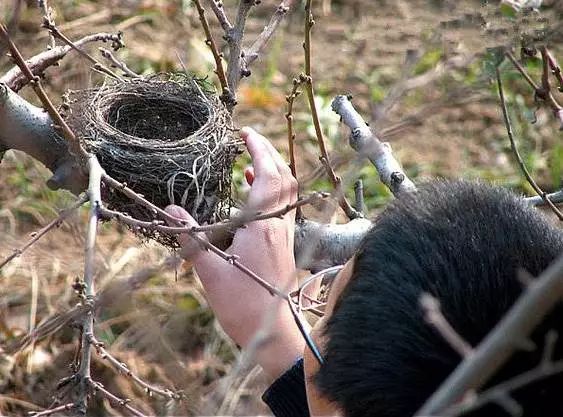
[534,304]
[29,129]
[319,246]
[363,141]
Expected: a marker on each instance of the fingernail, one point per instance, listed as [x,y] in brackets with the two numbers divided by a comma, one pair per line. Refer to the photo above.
[245,131]
[174,211]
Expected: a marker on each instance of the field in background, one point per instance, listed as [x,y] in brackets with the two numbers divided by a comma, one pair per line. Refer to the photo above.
[449,127]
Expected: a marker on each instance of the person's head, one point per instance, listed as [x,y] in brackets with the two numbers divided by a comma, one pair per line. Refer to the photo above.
[464,243]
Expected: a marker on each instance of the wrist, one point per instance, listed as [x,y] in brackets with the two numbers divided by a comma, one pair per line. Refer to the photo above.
[279,348]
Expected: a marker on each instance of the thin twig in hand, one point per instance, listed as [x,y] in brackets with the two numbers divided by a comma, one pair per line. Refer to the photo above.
[35,82]
[433,315]
[116,63]
[239,220]
[508,125]
[307,80]
[48,19]
[122,368]
[227,95]
[233,260]
[537,300]
[95,195]
[45,229]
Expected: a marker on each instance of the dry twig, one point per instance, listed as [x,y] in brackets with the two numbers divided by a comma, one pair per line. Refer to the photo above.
[534,304]
[307,80]
[529,177]
[16,79]
[227,95]
[433,316]
[44,230]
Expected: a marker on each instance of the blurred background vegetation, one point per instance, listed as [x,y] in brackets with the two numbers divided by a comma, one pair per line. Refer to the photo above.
[447,124]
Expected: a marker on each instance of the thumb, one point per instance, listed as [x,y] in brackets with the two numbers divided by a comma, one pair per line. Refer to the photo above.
[190,248]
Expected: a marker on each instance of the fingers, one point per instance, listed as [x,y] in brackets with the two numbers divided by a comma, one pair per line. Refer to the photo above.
[273,183]
[191,249]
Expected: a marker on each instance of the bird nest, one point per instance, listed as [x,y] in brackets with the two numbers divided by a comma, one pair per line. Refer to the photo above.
[169,138]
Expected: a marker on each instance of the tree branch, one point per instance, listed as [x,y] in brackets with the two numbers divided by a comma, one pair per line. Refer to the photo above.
[95,195]
[534,304]
[527,174]
[307,81]
[16,79]
[363,141]
[29,129]
[257,48]
[44,230]
[227,95]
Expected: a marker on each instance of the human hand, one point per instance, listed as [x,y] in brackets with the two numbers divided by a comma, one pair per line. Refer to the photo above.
[265,247]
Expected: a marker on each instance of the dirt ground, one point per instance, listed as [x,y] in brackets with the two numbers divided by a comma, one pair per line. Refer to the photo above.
[448,123]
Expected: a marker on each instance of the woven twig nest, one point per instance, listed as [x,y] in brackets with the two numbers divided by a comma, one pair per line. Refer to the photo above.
[167,137]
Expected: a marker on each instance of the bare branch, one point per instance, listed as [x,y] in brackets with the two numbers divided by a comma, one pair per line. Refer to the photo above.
[257,48]
[529,177]
[218,8]
[555,198]
[307,80]
[555,68]
[51,411]
[16,79]
[540,92]
[48,19]
[114,399]
[319,246]
[35,82]
[227,95]
[234,39]
[95,195]
[363,141]
[233,260]
[534,304]
[116,63]
[123,368]
[433,316]
[44,230]
[96,64]
[290,98]
[544,369]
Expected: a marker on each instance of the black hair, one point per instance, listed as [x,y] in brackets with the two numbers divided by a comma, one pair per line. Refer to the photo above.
[463,243]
